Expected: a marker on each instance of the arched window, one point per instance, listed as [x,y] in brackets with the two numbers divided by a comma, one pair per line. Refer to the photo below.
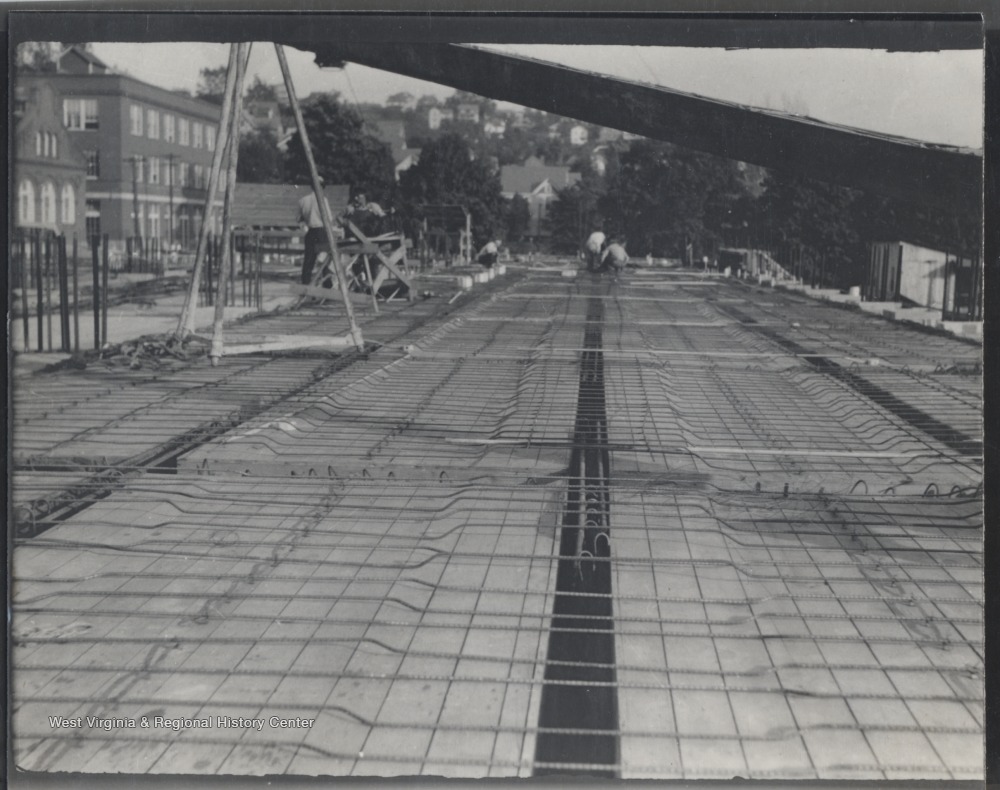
[68,205]
[55,147]
[38,143]
[48,203]
[26,203]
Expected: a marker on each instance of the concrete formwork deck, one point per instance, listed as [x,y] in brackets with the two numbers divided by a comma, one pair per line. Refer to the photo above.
[795,552]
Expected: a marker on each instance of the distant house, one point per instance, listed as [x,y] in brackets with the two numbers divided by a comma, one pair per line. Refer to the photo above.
[537,183]
[606,135]
[578,134]
[467,111]
[79,61]
[495,127]
[393,134]
[520,120]
[435,115]
[50,172]
[402,101]
[262,115]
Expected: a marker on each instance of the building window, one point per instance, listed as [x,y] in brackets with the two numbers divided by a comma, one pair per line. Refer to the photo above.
[154,170]
[93,218]
[55,146]
[210,137]
[26,203]
[199,177]
[153,124]
[68,205]
[153,220]
[197,129]
[182,174]
[38,143]
[169,127]
[80,114]
[183,131]
[93,164]
[138,168]
[48,203]
[135,119]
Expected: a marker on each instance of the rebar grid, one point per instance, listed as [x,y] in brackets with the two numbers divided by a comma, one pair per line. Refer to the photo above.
[796,570]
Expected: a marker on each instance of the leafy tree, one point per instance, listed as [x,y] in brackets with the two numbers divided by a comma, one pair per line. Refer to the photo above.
[260,160]
[447,173]
[821,217]
[661,195]
[575,214]
[37,56]
[260,91]
[344,152]
[518,218]
[212,84]
[427,101]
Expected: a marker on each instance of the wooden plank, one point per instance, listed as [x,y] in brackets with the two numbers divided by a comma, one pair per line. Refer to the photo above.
[941,176]
[290,343]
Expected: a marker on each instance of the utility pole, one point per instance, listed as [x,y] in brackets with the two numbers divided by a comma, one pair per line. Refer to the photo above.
[136,162]
[170,181]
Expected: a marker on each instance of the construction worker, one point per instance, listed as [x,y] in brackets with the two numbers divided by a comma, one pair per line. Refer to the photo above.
[311,216]
[488,254]
[366,217]
[614,257]
[594,246]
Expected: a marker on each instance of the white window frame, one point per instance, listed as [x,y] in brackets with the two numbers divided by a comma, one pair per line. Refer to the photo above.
[135,118]
[154,169]
[26,202]
[67,204]
[197,134]
[169,127]
[183,131]
[210,137]
[48,203]
[153,124]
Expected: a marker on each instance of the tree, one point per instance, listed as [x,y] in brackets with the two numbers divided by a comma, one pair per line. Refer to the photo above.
[212,84]
[447,173]
[663,198]
[344,152]
[575,214]
[261,91]
[260,160]
[518,218]
[37,56]
[822,218]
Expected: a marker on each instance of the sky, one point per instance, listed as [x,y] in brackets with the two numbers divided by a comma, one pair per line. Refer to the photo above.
[931,96]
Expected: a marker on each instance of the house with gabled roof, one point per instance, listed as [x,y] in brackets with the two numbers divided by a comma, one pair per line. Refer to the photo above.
[539,185]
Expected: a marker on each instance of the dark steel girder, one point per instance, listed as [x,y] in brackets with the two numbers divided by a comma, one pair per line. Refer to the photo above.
[944,177]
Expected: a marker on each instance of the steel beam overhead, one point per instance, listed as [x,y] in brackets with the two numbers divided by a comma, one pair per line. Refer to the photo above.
[941,176]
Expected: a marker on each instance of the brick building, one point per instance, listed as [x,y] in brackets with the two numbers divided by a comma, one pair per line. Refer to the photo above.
[49,170]
[141,144]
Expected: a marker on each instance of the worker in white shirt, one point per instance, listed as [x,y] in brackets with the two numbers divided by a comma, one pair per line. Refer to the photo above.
[311,216]
[614,257]
[488,254]
[594,245]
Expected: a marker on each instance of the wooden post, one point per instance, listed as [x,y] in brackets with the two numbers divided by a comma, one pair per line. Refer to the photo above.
[25,285]
[95,253]
[320,199]
[39,285]
[49,280]
[63,297]
[185,324]
[76,297]
[105,263]
[225,269]
[371,282]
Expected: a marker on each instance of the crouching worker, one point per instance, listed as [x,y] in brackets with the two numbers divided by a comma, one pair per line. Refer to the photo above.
[614,258]
[594,245]
[488,254]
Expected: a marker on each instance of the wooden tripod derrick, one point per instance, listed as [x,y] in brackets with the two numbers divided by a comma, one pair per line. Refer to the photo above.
[226,155]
